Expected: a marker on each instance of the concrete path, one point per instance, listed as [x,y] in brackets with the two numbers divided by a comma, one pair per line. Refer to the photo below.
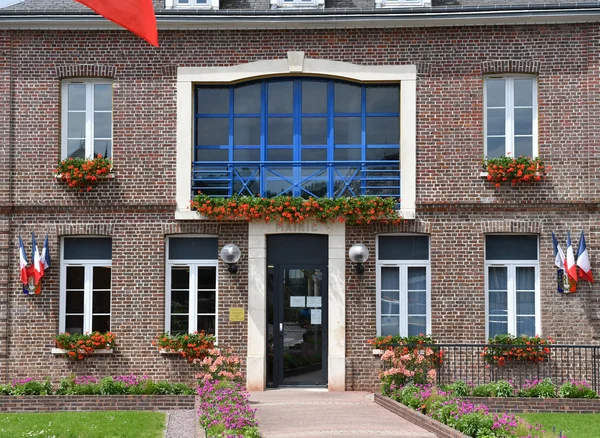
[287,413]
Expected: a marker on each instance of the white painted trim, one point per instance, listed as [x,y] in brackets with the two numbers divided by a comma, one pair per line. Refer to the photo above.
[210,4]
[257,301]
[297,4]
[402,3]
[297,64]
[102,351]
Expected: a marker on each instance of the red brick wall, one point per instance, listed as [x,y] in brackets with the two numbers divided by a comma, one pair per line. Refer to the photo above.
[455,206]
[50,403]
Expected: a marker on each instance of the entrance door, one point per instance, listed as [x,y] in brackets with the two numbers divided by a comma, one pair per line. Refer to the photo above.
[297,321]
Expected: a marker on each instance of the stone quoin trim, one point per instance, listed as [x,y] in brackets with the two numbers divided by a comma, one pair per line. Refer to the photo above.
[510,66]
[86,71]
[296,64]
[511,226]
[193,228]
[85,229]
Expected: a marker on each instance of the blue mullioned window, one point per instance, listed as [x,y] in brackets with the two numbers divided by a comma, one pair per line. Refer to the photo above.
[299,137]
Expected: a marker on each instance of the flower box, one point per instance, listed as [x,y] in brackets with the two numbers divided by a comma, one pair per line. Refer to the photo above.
[377,352]
[102,351]
[514,170]
[83,174]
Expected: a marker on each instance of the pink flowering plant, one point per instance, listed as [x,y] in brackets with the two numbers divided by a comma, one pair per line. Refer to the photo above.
[224,410]
[576,389]
[219,364]
[407,364]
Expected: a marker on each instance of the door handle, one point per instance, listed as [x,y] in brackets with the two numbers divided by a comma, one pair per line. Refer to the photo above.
[281,327]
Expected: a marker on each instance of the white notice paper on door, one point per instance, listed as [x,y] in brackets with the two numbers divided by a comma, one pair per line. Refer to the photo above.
[297,302]
[315,316]
[313,301]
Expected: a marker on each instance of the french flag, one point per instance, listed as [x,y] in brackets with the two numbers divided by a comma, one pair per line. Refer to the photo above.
[571,266]
[559,255]
[583,261]
[38,268]
[45,258]
[23,264]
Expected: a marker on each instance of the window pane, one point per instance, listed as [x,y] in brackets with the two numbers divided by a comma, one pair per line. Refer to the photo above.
[281,131]
[523,121]
[75,277]
[193,248]
[207,278]
[101,323]
[103,97]
[383,99]
[497,278]
[417,325]
[212,132]
[74,302]
[206,302]
[87,248]
[212,155]
[347,130]
[390,278]
[403,248]
[180,277]
[246,131]
[496,147]
[76,148]
[511,247]
[246,99]
[379,154]
[417,303]
[496,122]
[417,278]
[206,323]
[212,101]
[74,324]
[390,303]
[498,305]
[526,325]
[76,125]
[280,154]
[347,154]
[495,92]
[314,154]
[76,97]
[179,324]
[180,301]
[281,97]
[525,303]
[523,92]
[390,325]
[524,146]
[314,131]
[497,327]
[383,130]
[525,278]
[347,98]
[103,147]
[314,97]
[246,155]
[276,187]
[101,302]
[101,278]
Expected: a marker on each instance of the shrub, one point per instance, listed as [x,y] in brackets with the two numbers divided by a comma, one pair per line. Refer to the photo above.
[485,390]
[504,389]
[576,389]
[458,389]
[219,364]
[29,386]
[538,389]
[408,364]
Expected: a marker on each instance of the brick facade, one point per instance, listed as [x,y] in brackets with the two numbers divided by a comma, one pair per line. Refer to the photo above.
[456,207]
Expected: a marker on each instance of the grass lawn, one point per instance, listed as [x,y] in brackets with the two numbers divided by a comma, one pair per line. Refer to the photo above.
[571,425]
[105,424]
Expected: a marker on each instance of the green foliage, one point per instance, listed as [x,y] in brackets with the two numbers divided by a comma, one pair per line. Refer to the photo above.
[515,170]
[459,389]
[506,348]
[81,173]
[476,424]
[538,389]
[189,345]
[504,389]
[485,390]
[380,341]
[280,209]
[575,389]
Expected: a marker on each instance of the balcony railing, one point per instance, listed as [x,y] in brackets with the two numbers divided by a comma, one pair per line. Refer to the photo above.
[561,364]
[317,179]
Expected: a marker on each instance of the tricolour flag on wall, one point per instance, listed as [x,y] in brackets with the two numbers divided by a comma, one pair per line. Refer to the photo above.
[134,15]
[23,265]
[38,269]
[571,266]
[583,261]
[562,283]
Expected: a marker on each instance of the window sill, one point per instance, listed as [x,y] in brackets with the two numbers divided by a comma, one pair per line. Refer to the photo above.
[168,352]
[377,352]
[109,175]
[61,351]
[483,174]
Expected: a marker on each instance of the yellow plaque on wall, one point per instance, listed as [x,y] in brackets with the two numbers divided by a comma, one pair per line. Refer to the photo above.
[236,314]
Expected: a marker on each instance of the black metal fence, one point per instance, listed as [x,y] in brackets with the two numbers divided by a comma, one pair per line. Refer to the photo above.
[472,363]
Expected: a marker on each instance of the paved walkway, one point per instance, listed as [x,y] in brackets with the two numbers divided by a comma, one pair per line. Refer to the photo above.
[287,413]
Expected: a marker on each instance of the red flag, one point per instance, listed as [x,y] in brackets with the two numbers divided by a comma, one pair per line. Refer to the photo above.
[134,15]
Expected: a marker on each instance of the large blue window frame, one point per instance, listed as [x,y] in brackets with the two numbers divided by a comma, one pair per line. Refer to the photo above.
[367,163]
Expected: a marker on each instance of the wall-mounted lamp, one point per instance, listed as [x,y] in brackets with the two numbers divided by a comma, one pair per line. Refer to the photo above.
[359,254]
[230,254]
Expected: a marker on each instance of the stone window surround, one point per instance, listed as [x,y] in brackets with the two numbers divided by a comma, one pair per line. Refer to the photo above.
[296,64]
[209,4]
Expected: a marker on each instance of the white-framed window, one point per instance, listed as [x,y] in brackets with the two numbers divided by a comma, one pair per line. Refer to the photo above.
[512,284]
[85,284]
[403,285]
[402,3]
[192,4]
[191,285]
[86,118]
[510,116]
[277,4]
